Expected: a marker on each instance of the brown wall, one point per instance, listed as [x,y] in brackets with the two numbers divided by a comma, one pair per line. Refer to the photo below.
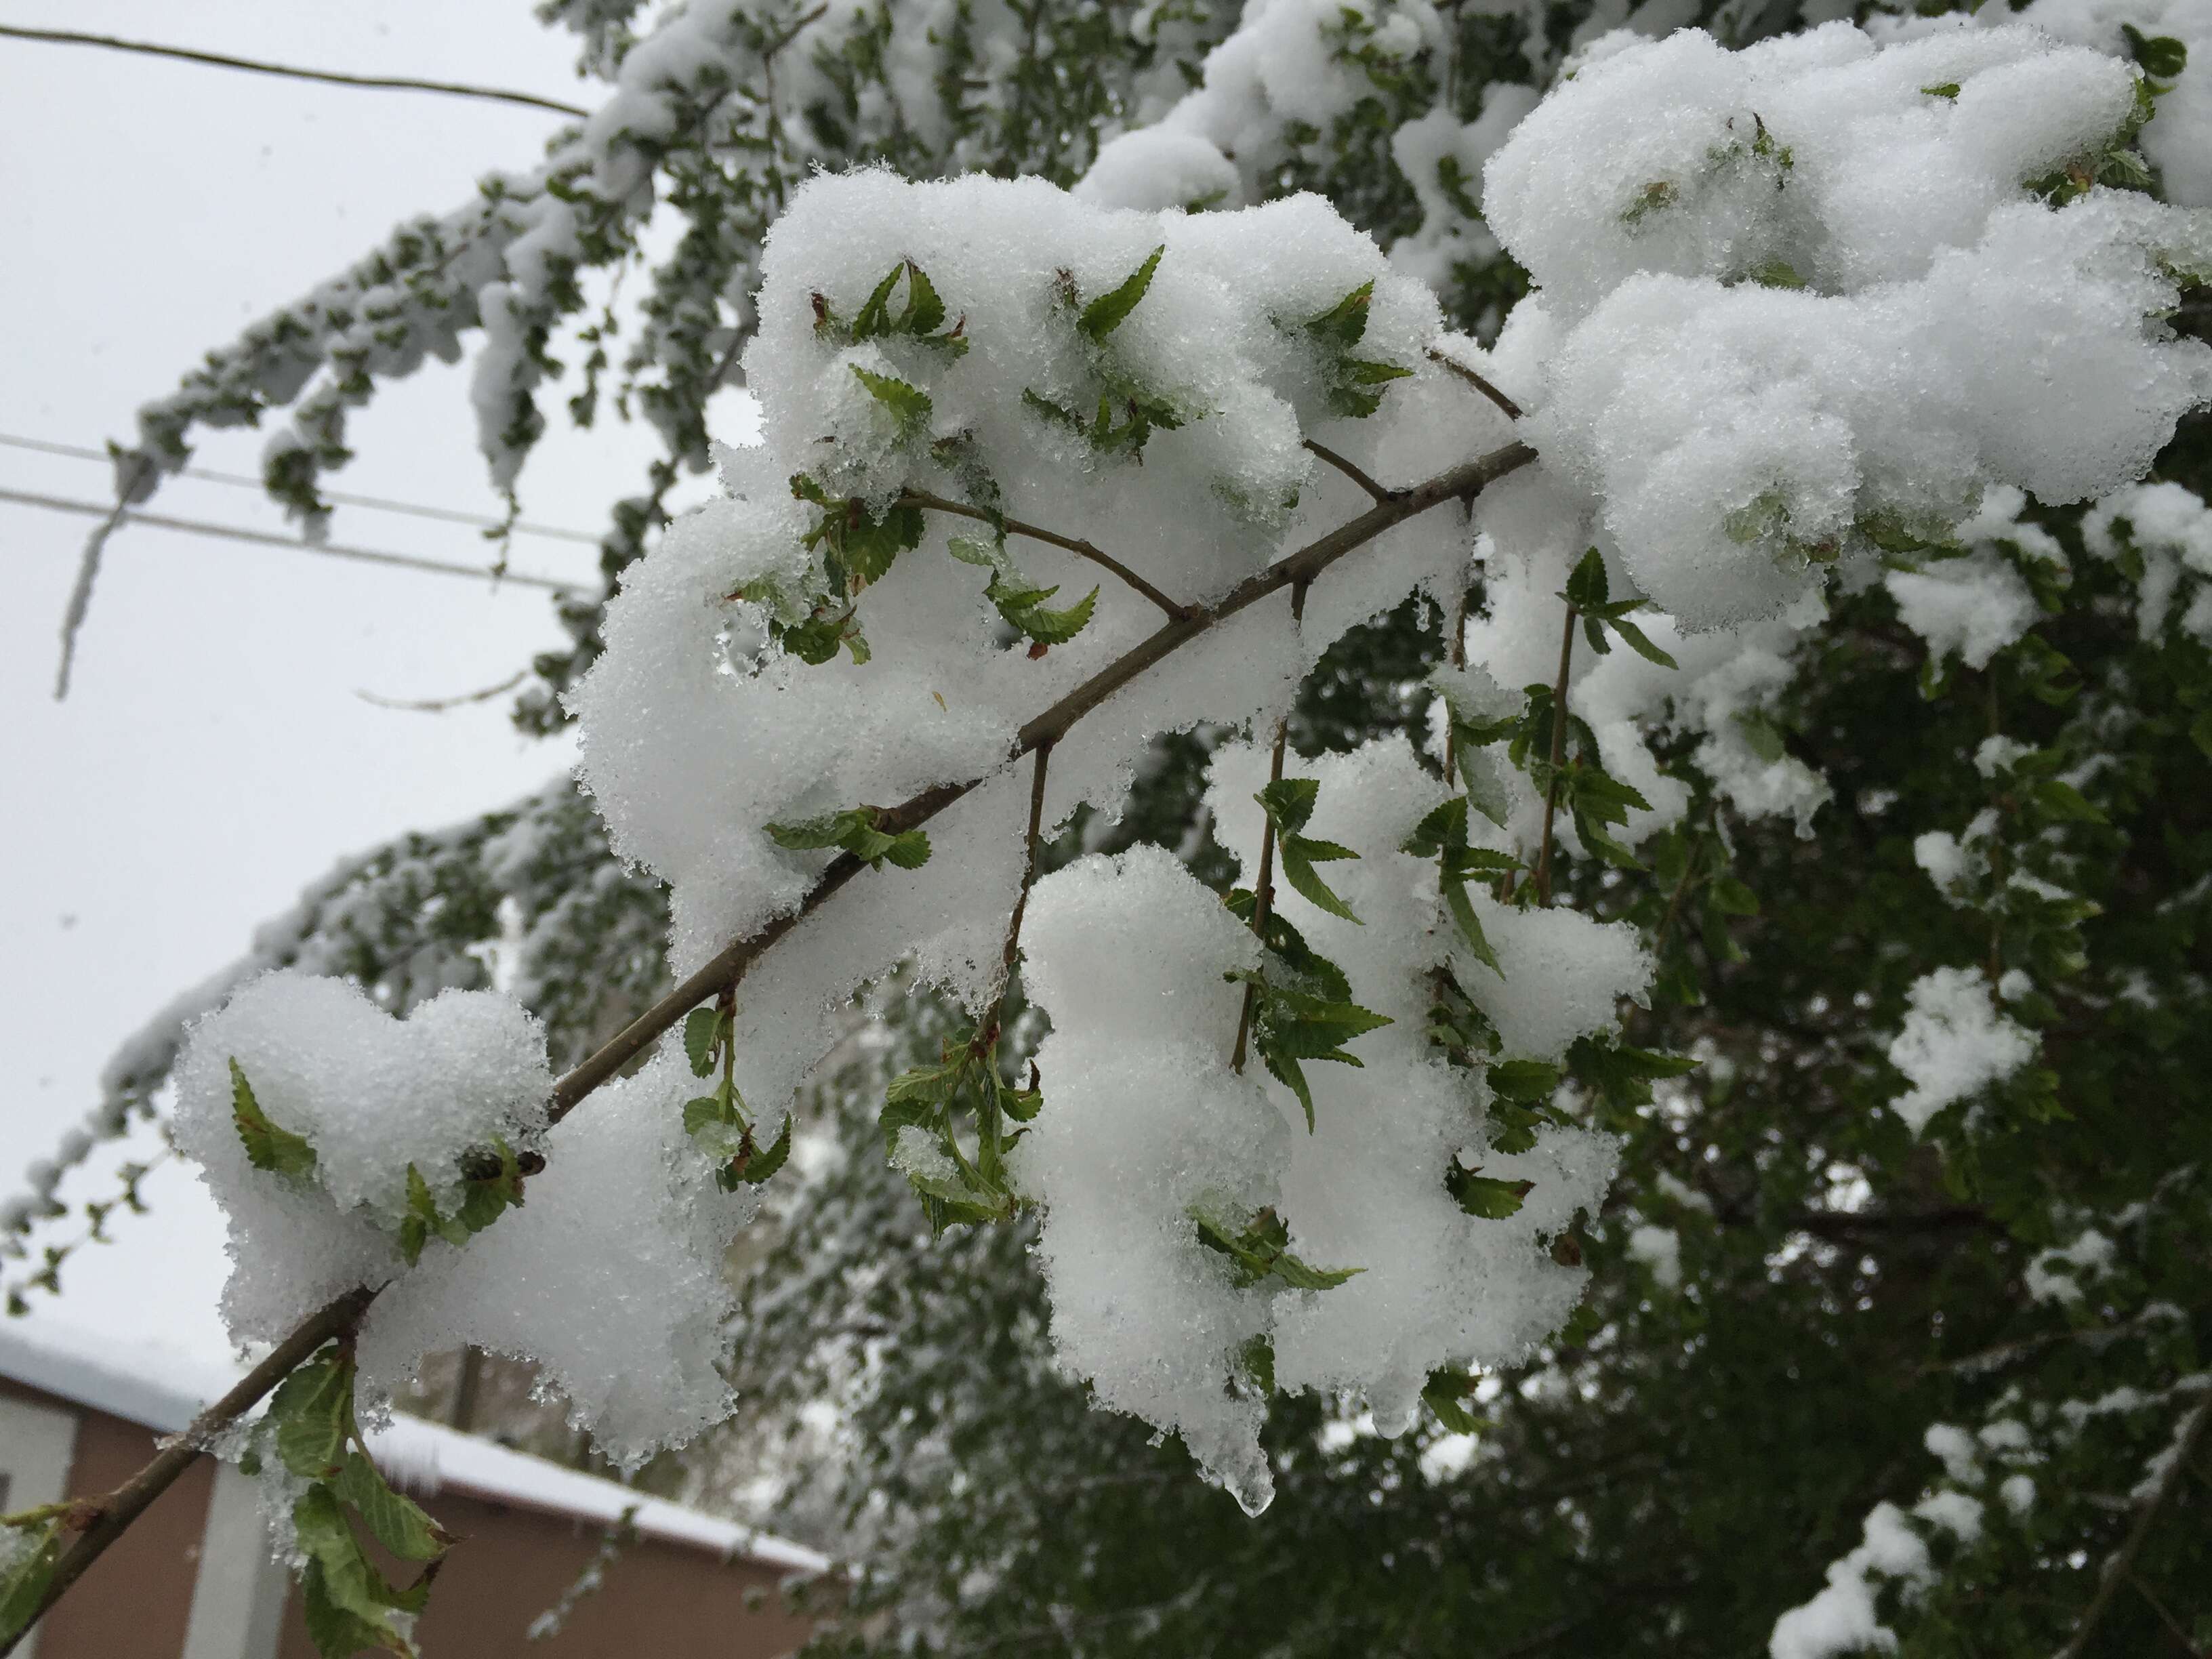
[658,1601]
[134,1599]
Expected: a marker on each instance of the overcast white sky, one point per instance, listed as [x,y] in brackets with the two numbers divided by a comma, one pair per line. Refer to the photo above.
[214,756]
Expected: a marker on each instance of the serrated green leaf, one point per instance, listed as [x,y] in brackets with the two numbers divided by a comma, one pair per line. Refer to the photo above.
[1289,803]
[1297,855]
[1440,827]
[1586,584]
[702,1027]
[1445,1395]
[1485,1197]
[909,404]
[1640,642]
[312,1412]
[1524,1079]
[1344,324]
[812,835]
[925,310]
[909,849]
[24,1585]
[267,1147]
[874,316]
[764,1163]
[1109,311]
[395,1521]
[1942,89]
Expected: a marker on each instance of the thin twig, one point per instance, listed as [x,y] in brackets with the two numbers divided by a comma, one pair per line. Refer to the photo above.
[1029,875]
[111,1516]
[2173,1625]
[1350,468]
[1512,409]
[222,60]
[2121,1566]
[1263,889]
[440,705]
[1081,548]
[730,963]
[1543,875]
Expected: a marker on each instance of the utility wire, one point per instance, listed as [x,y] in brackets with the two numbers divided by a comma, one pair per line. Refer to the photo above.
[221,60]
[382,504]
[291,544]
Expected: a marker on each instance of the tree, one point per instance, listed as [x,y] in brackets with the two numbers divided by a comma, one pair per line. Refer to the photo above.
[1616,1082]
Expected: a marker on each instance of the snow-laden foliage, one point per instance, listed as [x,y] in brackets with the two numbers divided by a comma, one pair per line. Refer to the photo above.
[1744,870]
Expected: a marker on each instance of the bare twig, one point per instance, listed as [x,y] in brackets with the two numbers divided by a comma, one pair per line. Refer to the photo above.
[1543,872]
[1028,874]
[440,705]
[111,1516]
[223,60]
[2121,1566]
[1351,469]
[1512,409]
[1081,548]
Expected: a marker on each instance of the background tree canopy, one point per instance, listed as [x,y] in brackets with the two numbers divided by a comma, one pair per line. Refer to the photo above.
[1896,1352]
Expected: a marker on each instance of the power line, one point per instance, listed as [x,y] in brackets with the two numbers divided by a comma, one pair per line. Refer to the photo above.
[221,60]
[267,539]
[449,515]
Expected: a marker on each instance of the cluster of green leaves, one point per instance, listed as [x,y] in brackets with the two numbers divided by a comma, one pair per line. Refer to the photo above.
[718,1123]
[1442,835]
[1300,1002]
[349,1604]
[967,1086]
[2114,162]
[921,320]
[491,1177]
[1128,412]
[1354,385]
[491,1184]
[859,545]
[858,830]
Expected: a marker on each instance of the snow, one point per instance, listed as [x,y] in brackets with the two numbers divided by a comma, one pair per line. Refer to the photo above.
[371,1095]
[1659,1249]
[1953,1044]
[1789,331]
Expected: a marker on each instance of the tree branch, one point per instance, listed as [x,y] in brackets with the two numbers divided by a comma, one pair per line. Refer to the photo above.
[738,957]
[1097,555]
[120,1508]
[1263,888]
[2121,1566]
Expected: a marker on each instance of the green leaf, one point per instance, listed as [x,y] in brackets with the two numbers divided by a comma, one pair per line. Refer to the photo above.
[925,310]
[1524,1079]
[1301,1276]
[874,318]
[313,1414]
[337,1631]
[1298,856]
[1586,585]
[702,1029]
[267,1147]
[1289,803]
[1777,273]
[1484,1196]
[1761,735]
[1109,311]
[909,849]
[761,1165]
[24,1585]
[1255,1363]
[2159,54]
[1470,925]
[909,405]
[396,1521]
[2065,803]
[1733,898]
[1440,827]
[1025,611]
[2200,732]
[1640,642]
[1261,1251]
[1581,1328]
[356,1603]
[1344,323]
[1445,1395]
[1942,89]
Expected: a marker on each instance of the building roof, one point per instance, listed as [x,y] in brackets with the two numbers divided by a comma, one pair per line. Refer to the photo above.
[164,1389]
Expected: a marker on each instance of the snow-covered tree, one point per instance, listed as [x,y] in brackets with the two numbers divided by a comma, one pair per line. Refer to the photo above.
[1455,752]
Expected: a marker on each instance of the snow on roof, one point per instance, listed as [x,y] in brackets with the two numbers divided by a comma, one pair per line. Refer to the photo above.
[164,1389]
